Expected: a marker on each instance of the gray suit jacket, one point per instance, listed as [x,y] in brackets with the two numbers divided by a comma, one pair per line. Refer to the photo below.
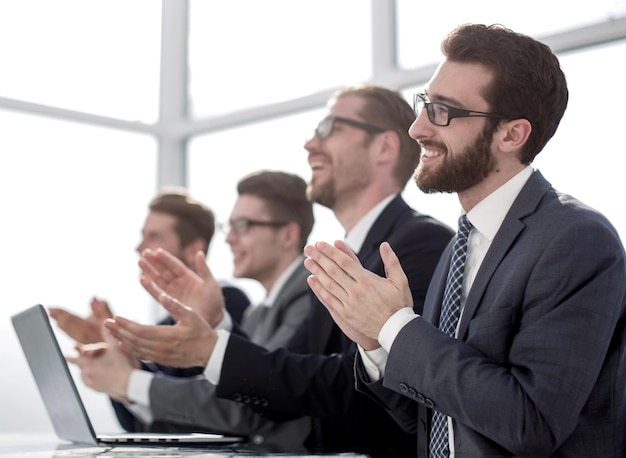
[190,403]
[539,368]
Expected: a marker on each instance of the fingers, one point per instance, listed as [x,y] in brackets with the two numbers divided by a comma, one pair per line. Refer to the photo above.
[343,246]
[151,287]
[160,265]
[143,341]
[175,308]
[77,328]
[59,315]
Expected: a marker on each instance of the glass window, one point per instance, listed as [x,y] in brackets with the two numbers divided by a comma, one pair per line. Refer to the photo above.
[73,198]
[245,52]
[421,26]
[583,156]
[99,57]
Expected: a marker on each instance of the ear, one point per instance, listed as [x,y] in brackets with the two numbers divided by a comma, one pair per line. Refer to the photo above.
[389,146]
[514,134]
[292,235]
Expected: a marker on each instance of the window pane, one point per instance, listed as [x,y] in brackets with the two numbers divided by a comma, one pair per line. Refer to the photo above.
[218,161]
[422,26]
[99,57]
[73,199]
[584,156]
[246,52]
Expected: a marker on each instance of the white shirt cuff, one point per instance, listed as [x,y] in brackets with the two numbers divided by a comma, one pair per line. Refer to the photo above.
[213,370]
[374,362]
[139,395]
[393,325]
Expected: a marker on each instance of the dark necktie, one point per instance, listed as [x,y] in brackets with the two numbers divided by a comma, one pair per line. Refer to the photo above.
[450,312]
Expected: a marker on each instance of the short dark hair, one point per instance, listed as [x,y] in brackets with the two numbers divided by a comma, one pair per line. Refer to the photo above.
[388,109]
[528,81]
[285,195]
[194,219]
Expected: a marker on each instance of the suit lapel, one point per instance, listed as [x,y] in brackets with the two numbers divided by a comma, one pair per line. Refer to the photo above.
[368,254]
[525,204]
[261,322]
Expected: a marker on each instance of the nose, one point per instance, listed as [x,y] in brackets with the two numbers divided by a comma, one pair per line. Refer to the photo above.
[230,237]
[419,128]
[310,143]
[140,247]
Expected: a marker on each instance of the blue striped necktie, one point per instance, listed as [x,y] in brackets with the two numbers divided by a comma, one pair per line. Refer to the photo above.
[450,312]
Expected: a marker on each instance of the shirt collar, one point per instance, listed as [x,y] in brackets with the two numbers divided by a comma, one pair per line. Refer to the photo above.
[355,238]
[488,214]
[272,294]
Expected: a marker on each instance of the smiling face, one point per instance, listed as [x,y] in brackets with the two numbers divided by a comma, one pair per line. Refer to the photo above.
[261,252]
[460,156]
[159,232]
[341,166]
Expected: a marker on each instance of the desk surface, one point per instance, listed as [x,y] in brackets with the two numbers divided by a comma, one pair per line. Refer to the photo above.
[49,446]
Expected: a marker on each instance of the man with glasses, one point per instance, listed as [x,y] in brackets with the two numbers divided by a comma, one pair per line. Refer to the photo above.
[178,223]
[361,157]
[268,228]
[521,347]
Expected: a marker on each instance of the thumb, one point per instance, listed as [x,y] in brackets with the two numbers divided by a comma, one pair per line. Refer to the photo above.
[107,336]
[393,269]
[202,269]
[101,309]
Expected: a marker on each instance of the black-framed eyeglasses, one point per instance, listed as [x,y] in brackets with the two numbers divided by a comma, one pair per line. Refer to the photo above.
[441,114]
[325,128]
[241,226]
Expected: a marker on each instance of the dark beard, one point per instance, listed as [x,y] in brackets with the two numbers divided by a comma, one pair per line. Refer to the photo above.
[323,195]
[459,172]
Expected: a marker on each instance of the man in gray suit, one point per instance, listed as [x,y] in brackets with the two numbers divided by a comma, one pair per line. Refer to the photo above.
[268,228]
[536,363]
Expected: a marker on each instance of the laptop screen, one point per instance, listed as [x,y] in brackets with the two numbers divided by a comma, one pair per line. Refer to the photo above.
[52,376]
[62,399]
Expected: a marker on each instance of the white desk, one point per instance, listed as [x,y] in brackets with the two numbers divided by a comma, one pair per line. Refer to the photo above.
[49,446]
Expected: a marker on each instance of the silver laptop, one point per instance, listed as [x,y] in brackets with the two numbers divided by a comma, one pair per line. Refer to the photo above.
[62,400]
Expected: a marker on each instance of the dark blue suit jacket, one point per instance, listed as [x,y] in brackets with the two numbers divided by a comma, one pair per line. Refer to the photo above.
[315,375]
[539,367]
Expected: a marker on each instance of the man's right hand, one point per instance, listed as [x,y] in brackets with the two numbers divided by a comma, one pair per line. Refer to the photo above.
[83,330]
[188,343]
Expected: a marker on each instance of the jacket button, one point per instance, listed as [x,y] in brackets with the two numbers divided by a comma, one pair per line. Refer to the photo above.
[420,398]
[237,397]
[429,403]
[257,439]
[404,388]
[412,393]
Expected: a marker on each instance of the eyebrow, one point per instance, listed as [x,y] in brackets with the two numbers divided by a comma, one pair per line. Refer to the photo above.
[455,103]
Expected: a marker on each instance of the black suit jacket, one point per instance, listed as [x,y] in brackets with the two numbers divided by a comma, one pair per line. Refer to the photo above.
[236,302]
[314,376]
[539,366]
